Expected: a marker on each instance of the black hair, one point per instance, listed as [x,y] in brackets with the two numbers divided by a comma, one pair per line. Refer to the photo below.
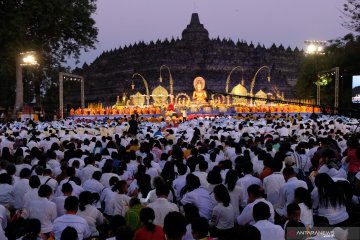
[97,175]
[32,229]
[231,179]
[248,167]
[5,179]
[214,177]
[255,190]
[44,191]
[303,195]
[330,193]
[25,173]
[34,181]
[66,187]
[147,216]
[124,233]
[222,194]
[248,232]
[69,233]
[174,225]
[261,211]
[292,208]
[289,171]
[71,203]
[200,227]
[162,190]
[85,198]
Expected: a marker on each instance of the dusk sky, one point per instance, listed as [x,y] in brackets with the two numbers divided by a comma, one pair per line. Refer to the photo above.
[290,22]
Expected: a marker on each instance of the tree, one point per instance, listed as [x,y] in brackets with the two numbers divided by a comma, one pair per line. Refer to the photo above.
[351,15]
[55,29]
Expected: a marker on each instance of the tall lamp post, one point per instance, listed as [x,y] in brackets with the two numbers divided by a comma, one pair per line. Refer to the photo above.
[315,48]
[24,59]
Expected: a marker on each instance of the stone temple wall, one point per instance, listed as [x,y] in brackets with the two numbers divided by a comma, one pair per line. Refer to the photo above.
[192,55]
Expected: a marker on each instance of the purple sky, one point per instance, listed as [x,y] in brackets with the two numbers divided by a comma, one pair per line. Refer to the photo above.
[289,22]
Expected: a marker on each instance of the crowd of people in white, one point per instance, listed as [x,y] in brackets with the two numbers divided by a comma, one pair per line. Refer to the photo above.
[223,177]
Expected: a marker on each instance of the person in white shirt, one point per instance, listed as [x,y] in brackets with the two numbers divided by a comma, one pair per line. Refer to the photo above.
[21,187]
[161,205]
[107,197]
[89,212]
[59,201]
[94,185]
[235,192]
[303,199]
[87,172]
[198,196]
[32,194]
[202,174]
[268,230]
[255,195]
[6,190]
[288,189]
[222,221]
[179,182]
[121,200]
[43,209]
[247,180]
[107,174]
[273,183]
[329,199]
[72,220]
[47,178]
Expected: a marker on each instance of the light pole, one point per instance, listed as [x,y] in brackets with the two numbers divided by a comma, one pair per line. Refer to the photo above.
[22,60]
[315,48]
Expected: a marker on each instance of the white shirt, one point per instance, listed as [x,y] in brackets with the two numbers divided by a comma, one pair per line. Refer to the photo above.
[77,222]
[4,213]
[162,207]
[287,191]
[45,211]
[107,198]
[201,198]
[179,184]
[236,199]
[245,182]
[270,231]
[59,202]
[6,194]
[120,204]
[203,178]
[334,215]
[306,215]
[93,217]
[272,185]
[20,188]
[93,186]
[87,172]
[246,216]
[222,217]
[32,194]
[106,177]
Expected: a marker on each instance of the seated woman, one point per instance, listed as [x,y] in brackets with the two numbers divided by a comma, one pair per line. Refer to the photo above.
[329,199]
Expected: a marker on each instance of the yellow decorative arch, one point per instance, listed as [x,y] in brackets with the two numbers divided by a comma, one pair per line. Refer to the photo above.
[260,94]
[138,99]
[160,96]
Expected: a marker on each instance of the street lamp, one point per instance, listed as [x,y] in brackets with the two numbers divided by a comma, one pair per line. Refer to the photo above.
[22,60]
[315,47]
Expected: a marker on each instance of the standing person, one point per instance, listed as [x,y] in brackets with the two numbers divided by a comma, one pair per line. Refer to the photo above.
[149,230]
[71,219]
[133,126]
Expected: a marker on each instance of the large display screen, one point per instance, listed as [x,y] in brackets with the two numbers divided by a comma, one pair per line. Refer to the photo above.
[355,93]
